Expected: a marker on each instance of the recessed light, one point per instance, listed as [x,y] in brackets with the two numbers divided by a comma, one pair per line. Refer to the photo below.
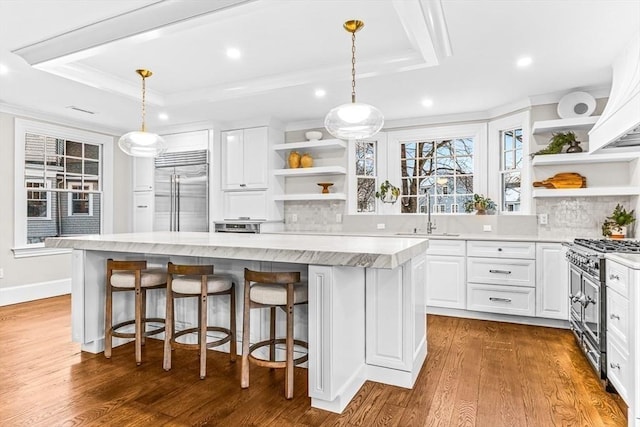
[233,53]
[427,102]
[163,116]
[525,61]
[320,93]
[3,70]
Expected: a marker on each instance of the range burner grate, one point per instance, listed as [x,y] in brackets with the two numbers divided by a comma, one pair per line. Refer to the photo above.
[607,245]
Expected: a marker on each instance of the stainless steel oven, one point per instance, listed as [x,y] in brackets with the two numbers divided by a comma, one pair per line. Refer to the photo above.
[588,304]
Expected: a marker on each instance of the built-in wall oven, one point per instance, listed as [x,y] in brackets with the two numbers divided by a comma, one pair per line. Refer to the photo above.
[587,295]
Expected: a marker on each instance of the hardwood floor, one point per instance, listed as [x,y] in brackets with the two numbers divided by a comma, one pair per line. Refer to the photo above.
[477,373]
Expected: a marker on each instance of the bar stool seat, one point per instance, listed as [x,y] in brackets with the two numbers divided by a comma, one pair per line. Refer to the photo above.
[132,276]
[272,290]
[198,281]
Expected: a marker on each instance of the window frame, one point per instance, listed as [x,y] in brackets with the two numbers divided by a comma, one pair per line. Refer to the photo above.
[24,126]
[88,188]
[477,131]
[381,144]
[519,120]
[46,185]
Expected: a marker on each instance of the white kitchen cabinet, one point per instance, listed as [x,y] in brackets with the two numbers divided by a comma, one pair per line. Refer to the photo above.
[446,274]
[143,173]
[552,281]
[623,333]
[142,211]
[501,277]
[244,204]
[245,154]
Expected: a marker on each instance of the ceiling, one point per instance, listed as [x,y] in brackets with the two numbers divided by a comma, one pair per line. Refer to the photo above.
[85,53]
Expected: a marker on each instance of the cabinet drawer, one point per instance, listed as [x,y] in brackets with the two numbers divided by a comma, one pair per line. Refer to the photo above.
[618,318]
[446,247]
[501,299]
[500,249]
[618,278]
[512,272]
[619,370]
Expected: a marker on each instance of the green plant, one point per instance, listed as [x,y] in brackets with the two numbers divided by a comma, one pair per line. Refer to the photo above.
[479,202]
[556,143]
[387,188]
[618,218]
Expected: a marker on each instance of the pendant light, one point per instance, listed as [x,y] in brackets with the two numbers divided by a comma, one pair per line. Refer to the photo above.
[142,143]
[354,120]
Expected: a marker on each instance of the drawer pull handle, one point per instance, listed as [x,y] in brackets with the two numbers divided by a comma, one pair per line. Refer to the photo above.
[142,206]
[614,316]
[500,299]
[614,365]
[243,185]
[500,271]
[614,277]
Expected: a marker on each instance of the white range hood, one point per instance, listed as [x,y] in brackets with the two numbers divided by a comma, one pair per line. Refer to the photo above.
[619,125]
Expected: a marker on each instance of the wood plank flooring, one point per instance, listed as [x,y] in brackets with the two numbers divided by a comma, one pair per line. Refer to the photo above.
[477,373]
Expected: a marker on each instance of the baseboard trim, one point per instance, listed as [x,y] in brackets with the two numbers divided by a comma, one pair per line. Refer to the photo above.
[34,291]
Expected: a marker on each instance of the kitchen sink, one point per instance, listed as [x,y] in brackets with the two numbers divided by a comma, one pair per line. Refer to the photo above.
[428,235]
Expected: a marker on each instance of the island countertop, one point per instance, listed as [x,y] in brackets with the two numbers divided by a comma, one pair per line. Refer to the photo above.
[358,251]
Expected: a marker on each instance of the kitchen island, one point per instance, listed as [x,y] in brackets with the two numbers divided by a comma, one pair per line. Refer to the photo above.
[366,312]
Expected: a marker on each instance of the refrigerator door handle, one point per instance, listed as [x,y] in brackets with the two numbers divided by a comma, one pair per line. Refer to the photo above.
[177,202]
[172,202]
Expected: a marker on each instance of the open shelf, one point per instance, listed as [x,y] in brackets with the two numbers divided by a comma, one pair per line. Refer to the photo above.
[317,171]
[574,123]
[312,196]
[322,144]
[581,158]
[587,192]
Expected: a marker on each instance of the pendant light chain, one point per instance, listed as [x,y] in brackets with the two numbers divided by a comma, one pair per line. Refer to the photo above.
[143,103]
[353,67]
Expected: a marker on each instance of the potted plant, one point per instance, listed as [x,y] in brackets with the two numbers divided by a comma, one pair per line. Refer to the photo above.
[480,204]
[558,141]
[388,192]
[615,226]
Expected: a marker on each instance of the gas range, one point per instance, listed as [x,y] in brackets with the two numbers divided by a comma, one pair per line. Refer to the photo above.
[608,245]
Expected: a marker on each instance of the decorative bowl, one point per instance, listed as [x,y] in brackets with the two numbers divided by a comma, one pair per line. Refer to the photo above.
[313,135]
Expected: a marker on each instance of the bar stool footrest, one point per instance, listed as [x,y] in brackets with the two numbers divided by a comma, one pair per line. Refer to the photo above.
[276,363]
[195,346]
[115,333]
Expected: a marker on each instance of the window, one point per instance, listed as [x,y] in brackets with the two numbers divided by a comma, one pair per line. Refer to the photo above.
[38,200]
[60,184]
[436,173]
[511,167]
[366,174]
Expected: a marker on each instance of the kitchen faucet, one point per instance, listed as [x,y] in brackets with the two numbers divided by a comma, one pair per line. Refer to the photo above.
[432,225]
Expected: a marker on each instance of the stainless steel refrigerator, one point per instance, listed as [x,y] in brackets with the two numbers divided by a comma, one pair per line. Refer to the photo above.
[182,191]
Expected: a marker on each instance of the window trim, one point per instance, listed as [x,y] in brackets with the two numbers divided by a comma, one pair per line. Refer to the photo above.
[477,131]
[494,165]
[24,126]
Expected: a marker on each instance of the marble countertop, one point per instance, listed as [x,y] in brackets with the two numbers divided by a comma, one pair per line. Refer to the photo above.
[441,236]
[628,260]
[360,251]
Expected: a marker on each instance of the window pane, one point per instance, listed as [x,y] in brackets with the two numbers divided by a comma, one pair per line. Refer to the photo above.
[464,184]
[426,149]
[408,150]
[444,148]
[73,149]
[366,201]
[427,166]
[511,185]
[360,170]
[507,137]
[463,146]
[464,165]
[91,151]
[408,167]
[73,165]
[91,167]
[409,186]
[518,136]
[408,204]
[508,160]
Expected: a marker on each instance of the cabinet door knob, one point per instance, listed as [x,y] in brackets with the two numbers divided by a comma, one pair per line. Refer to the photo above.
[614,316]
[499,249]
[614,365]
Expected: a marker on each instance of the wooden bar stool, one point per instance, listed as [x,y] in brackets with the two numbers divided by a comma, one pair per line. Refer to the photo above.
[131,276]
[189,281]
[273,290]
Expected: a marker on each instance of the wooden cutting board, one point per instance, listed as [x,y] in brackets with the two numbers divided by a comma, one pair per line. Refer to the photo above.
[563,180]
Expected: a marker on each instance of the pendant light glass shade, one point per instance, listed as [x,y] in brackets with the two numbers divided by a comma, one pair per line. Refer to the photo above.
[354,120]
[142,143]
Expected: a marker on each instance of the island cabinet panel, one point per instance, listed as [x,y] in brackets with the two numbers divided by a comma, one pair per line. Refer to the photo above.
[396,326]
[446,281]
[337,367]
